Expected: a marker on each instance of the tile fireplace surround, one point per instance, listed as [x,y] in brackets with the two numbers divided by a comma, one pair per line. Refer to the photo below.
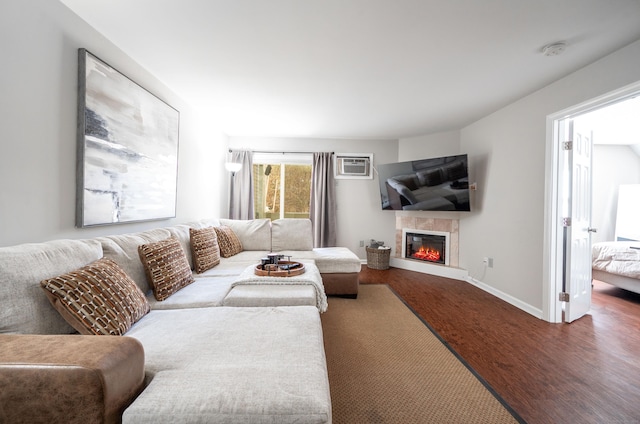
[448,225]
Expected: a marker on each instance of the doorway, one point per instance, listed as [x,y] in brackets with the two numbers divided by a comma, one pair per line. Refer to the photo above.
[556,264]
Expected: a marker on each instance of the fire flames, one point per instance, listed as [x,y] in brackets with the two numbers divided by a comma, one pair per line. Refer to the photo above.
[427,254]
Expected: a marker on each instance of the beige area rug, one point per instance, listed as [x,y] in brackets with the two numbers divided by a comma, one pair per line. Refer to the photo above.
[386,366]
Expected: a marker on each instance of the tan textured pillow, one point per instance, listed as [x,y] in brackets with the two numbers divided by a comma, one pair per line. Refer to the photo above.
[99,298]
[228,241]
[166,266]
[204,248]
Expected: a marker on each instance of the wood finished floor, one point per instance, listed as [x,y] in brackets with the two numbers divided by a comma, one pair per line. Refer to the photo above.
[584,372]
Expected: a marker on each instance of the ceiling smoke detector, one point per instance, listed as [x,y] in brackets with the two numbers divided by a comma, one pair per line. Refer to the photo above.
[554,49]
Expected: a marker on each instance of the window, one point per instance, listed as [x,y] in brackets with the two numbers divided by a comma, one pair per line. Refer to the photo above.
[282,185]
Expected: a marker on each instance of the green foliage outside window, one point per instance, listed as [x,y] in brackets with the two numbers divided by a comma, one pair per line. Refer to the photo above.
[272,180]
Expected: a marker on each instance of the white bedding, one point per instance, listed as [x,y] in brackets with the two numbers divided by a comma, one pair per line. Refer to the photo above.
[617,258]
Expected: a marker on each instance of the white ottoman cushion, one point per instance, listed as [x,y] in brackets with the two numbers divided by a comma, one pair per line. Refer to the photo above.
[285,295]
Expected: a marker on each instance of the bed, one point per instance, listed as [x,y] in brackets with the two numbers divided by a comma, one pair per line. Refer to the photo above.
[617,263]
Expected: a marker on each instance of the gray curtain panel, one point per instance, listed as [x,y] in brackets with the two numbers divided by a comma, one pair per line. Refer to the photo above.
[323,200]
[241,190]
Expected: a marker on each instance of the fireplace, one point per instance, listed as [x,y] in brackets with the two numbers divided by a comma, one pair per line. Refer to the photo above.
[426,246]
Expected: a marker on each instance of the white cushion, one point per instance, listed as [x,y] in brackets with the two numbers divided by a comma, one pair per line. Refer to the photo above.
[253,256]
[291,234]
[284,295]
[228,268]
[123,250]
[24,307]
[181,232]
[204,223]
[329,260]
[203,293]
[254,234]
[249,365]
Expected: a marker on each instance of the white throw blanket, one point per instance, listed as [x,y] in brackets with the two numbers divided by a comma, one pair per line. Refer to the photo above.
[311,276]
[617,258]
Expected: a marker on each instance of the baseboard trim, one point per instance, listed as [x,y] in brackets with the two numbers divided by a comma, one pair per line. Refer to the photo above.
[463,275]
[506,297]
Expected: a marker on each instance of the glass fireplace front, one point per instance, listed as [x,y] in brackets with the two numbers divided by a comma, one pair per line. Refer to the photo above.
[426,247]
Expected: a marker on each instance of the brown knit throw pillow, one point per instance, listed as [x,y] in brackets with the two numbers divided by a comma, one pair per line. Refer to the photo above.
[204,248]
[228,241]
[99,298]
[166,266]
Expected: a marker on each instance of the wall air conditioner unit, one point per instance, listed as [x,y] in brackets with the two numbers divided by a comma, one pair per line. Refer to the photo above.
[353,165]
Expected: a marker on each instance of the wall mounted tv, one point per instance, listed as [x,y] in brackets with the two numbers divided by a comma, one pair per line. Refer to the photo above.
[437,184]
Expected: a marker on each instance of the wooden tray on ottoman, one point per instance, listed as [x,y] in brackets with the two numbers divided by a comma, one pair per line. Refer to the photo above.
[280,269]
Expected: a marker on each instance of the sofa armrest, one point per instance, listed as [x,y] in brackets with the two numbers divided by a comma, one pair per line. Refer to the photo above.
[68,378]
[397,199]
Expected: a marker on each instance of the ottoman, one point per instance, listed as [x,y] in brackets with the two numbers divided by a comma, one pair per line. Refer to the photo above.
[339,268]
[300,290]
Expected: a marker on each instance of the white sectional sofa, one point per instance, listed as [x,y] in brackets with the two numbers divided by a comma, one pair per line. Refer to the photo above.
[204,360]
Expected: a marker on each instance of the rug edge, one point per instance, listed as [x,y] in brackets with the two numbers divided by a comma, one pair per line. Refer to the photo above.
[460,358]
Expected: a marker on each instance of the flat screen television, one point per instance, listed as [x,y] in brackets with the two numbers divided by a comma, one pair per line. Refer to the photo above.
[436,184]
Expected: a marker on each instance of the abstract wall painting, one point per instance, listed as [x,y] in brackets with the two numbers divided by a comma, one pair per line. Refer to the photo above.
[127,157]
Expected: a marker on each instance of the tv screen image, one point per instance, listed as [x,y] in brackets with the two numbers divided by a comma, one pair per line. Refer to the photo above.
[436,184]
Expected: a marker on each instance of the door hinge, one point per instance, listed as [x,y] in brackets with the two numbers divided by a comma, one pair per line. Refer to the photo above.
[566,222]
[564,297]
[567,145]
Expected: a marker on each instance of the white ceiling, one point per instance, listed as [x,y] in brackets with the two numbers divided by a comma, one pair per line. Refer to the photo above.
[372,69]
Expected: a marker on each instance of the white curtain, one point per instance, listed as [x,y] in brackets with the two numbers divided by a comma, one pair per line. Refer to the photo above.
[322,209]
[241,190]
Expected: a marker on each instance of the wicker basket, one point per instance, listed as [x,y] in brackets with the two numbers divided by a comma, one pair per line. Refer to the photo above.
[378,258]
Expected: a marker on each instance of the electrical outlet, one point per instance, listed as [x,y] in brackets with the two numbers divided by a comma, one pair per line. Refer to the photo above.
[488,262]
[361,243]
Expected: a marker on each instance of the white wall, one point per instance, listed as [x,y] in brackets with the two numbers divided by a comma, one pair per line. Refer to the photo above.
[627,224]
[507,155]
[429,146]
[613,165]
[360,215]
[39,40]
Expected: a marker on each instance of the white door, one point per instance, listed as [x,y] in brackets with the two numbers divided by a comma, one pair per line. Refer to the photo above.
[577,222]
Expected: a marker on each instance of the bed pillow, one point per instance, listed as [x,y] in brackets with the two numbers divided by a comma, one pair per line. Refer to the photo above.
[166,266]
[204,248]
[97,299]
[228,241]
